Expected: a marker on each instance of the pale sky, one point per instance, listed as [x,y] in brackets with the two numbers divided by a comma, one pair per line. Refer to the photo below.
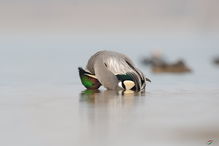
[136,16]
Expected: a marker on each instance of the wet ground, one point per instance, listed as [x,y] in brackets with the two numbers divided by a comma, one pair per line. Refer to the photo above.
[69,115]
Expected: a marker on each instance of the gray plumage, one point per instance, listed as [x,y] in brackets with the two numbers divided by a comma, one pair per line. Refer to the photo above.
[105,65]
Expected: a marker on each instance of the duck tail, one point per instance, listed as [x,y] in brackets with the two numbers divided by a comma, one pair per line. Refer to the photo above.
[147,79]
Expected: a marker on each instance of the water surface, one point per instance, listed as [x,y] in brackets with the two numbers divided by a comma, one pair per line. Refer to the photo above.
[42,101]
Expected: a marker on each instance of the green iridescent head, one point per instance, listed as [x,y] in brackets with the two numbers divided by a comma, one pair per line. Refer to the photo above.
[88,80]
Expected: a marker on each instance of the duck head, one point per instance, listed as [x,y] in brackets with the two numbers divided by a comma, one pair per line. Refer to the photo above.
[88,80]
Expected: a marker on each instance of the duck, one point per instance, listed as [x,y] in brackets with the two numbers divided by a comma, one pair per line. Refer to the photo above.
[114,71]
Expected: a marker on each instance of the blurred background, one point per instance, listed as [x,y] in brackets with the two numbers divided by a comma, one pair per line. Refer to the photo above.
[47,40]
[145,17]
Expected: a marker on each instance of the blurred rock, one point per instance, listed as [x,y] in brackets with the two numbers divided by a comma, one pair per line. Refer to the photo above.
[177,67]
[155,59]
[216,61]
[159,64]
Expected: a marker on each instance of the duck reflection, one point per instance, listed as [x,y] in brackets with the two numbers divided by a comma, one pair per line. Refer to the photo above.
[101,112]
[110,97]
